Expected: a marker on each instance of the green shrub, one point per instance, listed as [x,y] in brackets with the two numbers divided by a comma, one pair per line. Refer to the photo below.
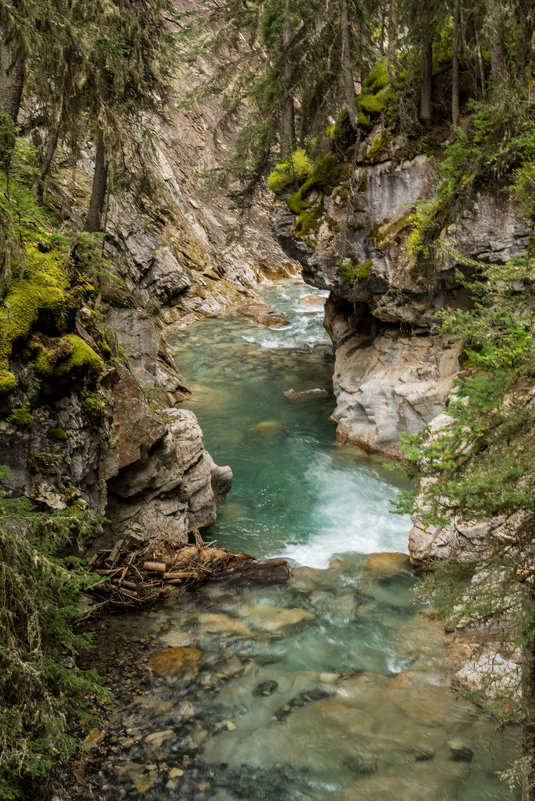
[350,271]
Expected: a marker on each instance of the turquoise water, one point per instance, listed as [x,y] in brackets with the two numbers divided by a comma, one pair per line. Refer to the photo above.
[295,493]
[329,686]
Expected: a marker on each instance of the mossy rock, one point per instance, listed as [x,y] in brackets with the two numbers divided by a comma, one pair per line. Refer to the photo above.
[66,356]
[392,233]
[57,434]
[377,149]
[324,176]
[21,417]
[8,382]
[371,104]
[290,173]
[41,293]
[351,271]
[309,221]
[94,406]
[40,462]
[376,79]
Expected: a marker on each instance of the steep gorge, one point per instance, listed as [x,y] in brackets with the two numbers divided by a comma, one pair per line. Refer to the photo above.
[393,371]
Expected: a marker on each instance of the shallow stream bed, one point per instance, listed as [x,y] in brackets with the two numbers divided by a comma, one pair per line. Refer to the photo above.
[327,687]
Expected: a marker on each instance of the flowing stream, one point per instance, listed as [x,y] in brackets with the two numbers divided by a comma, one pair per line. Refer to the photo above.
[328,687]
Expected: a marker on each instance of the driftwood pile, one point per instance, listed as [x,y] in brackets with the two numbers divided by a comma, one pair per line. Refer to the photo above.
[134,574]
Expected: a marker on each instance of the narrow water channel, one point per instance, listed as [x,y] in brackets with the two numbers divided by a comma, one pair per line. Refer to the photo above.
[329,687]
[295,493]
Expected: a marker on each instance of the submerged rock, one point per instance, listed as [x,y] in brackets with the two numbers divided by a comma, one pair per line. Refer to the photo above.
[460,752]
[384,566]
[222,624]
[264,315]
[271,618]
[175,661]
[266,688]
[267,427]
[307,393]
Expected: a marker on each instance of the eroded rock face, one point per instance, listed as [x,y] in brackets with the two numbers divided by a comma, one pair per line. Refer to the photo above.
[385,381]
[392,371]
[166,484]
[60,457]
[147,473]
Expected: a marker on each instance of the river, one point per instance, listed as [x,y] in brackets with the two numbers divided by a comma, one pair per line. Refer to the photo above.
[329,687]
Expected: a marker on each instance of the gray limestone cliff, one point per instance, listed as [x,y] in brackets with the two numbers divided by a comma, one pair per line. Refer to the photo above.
[393,371]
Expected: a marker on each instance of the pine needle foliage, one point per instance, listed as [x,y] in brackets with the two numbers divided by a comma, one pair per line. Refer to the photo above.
[273,54]
[43,696]
[481,466]
[483,463]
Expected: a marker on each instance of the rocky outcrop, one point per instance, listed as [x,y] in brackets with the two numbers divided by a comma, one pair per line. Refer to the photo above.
[166,484]
[393,372]
[147,473]
[385,381]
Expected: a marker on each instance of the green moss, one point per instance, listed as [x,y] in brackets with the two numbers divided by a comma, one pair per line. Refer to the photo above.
[363,120]
[41,292]
[94,406]
[392,233]
[8,382]
[325,175]
[377,148]
[67,356]
[376,79]
[350,271]
[38,462]
[296,204]
[289,173]
[76,507]
[21,417]
[309,221]
[372,104]
[58,434]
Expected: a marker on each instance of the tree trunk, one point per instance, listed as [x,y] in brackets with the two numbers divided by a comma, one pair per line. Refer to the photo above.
[426,89]
[98,192]
[523,37]
[480,67]
[11,71]
[528,696]
[53,139]
[497,41]
[288,111]
[347,72]
[455,65]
